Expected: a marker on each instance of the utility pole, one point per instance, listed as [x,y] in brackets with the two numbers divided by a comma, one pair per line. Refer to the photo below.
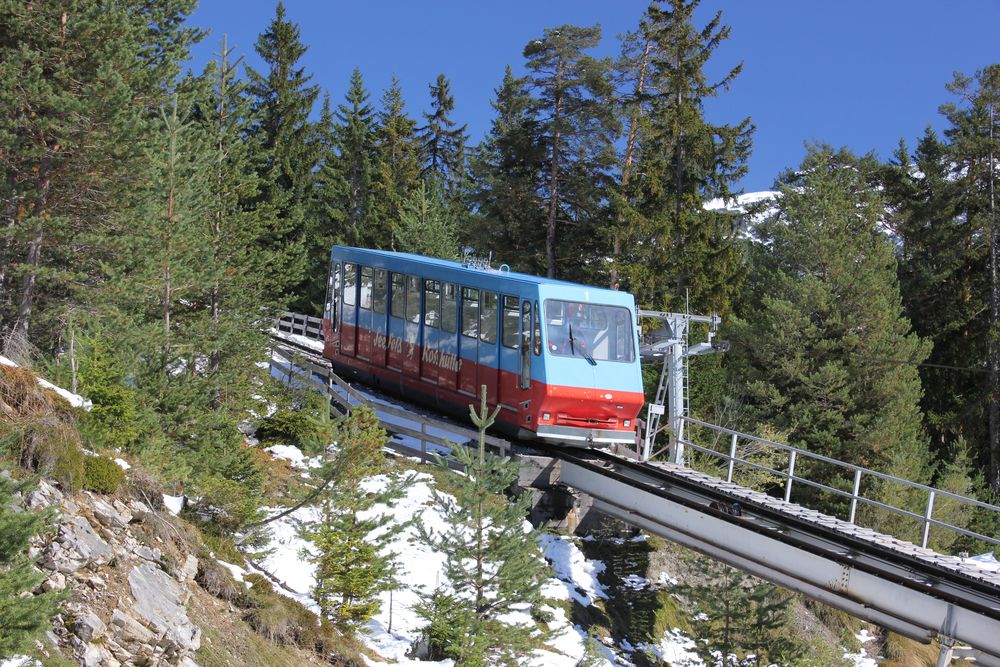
[672,394]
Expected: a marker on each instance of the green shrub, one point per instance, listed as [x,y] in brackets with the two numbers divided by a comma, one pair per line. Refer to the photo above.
[225,505]
[101,474]
[48,445]
[306,424]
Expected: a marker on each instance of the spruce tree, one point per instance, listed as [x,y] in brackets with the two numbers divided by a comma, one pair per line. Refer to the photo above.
[677,249]
[493,565]
[23,617]
[353,563]
[426,226]
[286,153]
[397,170]
[507,171]
[573,93]
[942,275]
[819,345]
[355,168]
[975,154]
[442,139]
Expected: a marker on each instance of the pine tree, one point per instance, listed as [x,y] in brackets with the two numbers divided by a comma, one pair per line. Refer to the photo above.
[975,153]
[397,171]
[23,617]
[493,565]
[506,174]
[353,563]
[822,318]
[573,94]
[286,151]
[425,224]
[239,265]
[677,248]
[442,139]
[68,134]
[739,620]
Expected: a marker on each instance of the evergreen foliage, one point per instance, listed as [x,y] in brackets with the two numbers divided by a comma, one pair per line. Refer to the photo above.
[822,318]
[666,247]
[577,124]
[397,171]
[101,474]
[23,617]
[506,173]
[740,620]
[353,564]
[975,154]
[286,151]
[78,78]
[493,564]
[442,140]
[425,224]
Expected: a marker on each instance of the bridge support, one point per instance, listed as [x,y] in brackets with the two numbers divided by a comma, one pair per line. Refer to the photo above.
[947,650]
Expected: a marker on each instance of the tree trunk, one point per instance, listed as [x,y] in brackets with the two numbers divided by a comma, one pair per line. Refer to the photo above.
[616,249]
[550,230]
[19,332]
[994,333]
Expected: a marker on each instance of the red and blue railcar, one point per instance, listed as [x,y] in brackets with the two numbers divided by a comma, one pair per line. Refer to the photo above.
[560,359]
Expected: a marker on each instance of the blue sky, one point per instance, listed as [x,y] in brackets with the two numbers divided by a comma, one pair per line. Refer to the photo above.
[845,72]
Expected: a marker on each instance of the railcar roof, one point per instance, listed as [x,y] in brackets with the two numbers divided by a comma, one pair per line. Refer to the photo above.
[453,265]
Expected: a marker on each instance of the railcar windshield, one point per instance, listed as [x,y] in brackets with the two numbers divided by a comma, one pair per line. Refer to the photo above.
[595,332]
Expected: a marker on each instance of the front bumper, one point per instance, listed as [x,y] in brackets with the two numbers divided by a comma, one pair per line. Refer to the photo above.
[584,437]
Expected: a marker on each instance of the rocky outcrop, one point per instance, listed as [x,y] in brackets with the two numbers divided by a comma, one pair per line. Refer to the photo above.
[126,585]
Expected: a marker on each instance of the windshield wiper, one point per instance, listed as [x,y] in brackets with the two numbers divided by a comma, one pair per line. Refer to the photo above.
[583,353]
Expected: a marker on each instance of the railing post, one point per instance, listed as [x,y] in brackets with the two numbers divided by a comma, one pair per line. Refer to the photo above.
[854,495]
[791,475]
[927,518]
[423,441]
[732,458]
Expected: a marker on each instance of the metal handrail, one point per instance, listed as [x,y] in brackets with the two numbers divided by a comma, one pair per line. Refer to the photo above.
[856,497]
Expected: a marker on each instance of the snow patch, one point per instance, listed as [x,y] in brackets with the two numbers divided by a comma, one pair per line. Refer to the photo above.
[174,504]
[123,464]
[576,575]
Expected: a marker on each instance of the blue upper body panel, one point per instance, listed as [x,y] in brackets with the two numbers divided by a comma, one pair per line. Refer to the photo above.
[574,370]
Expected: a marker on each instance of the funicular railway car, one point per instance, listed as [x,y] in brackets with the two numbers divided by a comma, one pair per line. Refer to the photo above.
[559,358]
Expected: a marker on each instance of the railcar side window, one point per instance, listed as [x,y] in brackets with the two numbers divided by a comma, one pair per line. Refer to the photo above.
[536,332]
[366,287]
[448,307]
[488,318]
[397,306]
[432,303]
[350,283]
[413,299]
[470,312]
[510,322]
[333,296]
[378,298]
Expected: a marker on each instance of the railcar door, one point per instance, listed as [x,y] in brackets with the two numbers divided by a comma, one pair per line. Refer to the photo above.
[349,322]
[489,342]
[364,335]
[397,318]
[468,343]
[380,293]
[429,349]
[508,385]
[411,329]
[448,357]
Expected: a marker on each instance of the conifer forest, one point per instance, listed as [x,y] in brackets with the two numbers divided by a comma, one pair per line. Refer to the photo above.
[155,219]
